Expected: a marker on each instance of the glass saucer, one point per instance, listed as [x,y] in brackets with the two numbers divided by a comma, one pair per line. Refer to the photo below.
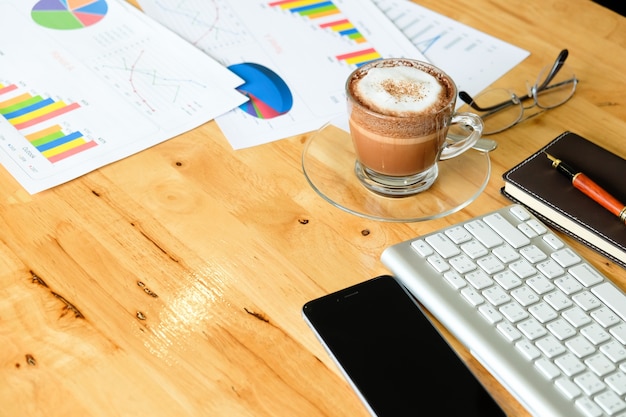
[328,163]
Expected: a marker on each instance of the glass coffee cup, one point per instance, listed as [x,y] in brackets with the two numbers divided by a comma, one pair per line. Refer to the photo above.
[400,111]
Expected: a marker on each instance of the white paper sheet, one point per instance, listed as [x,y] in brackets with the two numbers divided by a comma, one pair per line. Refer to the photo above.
[305,50]
[472,58]
[114,81]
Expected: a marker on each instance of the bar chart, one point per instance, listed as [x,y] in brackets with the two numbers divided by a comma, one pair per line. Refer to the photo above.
[40,116]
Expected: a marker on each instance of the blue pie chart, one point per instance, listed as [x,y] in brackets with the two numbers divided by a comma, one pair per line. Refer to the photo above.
[269,96]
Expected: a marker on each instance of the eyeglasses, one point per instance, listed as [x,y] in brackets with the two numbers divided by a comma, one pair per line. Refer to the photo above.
[501,109]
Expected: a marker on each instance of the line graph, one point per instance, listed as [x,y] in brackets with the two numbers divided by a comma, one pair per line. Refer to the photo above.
[133,73]
[209,25]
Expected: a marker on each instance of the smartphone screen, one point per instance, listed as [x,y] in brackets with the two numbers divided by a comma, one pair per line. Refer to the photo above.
[392,355]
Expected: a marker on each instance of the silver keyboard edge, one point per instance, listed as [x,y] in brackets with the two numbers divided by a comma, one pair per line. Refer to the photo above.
[432,294]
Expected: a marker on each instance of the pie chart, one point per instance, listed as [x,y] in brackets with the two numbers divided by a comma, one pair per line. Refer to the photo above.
[268,93]
[68,14]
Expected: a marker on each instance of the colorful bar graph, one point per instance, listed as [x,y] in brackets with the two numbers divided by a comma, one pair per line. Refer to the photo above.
[25,110]
[315,9]
[345,28]
[360,58]
[55,145]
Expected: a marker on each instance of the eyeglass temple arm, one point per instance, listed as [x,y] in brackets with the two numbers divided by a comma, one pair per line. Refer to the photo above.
[560,60]
[472,103]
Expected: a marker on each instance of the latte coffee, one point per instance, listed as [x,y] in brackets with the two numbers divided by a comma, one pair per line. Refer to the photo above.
[418,101]
[399,113]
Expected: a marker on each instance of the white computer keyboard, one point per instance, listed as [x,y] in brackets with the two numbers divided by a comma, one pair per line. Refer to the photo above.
[548,325]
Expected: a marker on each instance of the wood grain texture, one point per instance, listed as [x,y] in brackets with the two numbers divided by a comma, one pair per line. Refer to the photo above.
[170,283]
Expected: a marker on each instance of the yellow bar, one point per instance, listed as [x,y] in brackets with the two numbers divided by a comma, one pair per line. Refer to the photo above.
[65,147]
[40,112]
[300,3]
[363,58]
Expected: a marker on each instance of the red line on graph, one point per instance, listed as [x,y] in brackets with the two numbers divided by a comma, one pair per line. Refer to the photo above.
[132,83]
[212,26]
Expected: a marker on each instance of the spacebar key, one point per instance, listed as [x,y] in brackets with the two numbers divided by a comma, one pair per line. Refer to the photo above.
[612,297]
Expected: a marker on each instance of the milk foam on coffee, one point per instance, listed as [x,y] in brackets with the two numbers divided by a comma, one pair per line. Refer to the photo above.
[399,90]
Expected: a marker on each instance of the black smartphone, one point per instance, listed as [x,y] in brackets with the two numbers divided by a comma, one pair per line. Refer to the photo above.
[392,355]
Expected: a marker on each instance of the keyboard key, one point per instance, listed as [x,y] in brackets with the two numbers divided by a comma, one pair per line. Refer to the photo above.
[550,346]
[568,284]
[462,264]
[540,284]
[490,264]
[610,402]
[586,275]
[531,329]
[506,253]
[479,280]
[490,313]
[600,364]
[561,329]
[458,234]
[474,249]
[566,257]
[550,269]
[509,331]
[580,346]
[586,300]
[507,279]
[595,333]
[520,212]
[617,382]
[443,245]
[422,247]
[612,297]
[538,227]
[576,316]
[438,263]
[553,241]
[558,300]
[533,254]
[568,388]
[570,364]
[588,407]
[543,312]
[605,317]
[455,279]
[525,296]
[614,350]
[547,368]
[506,230]
[589,383]
[484,233]
[523,268]
[472,296]
[527,349]
[513,312]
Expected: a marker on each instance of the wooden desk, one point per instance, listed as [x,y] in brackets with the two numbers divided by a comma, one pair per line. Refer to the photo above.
[170,283]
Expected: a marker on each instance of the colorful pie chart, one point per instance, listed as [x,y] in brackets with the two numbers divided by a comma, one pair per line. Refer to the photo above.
[268,93]
[68,14]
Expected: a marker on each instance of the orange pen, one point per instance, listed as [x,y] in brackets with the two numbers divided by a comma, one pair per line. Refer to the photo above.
[590,188]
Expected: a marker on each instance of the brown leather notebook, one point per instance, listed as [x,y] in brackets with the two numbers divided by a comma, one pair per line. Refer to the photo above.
[552,197]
